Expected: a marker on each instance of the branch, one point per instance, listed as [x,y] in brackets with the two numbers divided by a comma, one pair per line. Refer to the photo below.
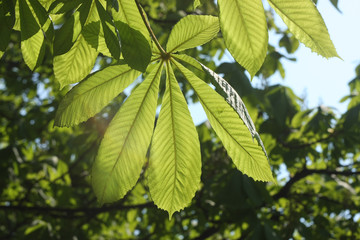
[305,145]
[72,211]
[284,191]
[143,16]
[207,233]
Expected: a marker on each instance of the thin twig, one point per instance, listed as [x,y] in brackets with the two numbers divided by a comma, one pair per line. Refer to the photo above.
[143,16]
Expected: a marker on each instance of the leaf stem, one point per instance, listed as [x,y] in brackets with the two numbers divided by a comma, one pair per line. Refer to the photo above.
[147,24]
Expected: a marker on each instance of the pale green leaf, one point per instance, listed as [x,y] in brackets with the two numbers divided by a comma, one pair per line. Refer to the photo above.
[135,39]
[110,36]
[189,60]
[76,64]
[196,3]
[93,30]
[192,31]
[93,93]
[244,29]
[175,159]
[32,37]
[306,23]
[63,6]
[246,154]
[123,149]
[233,98]
[198,66]
[17,26]
[7,19]
[31,49]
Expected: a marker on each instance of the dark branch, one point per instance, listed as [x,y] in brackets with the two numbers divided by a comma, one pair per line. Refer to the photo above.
[207,233]
[284,191]
[308,144]
[72,211]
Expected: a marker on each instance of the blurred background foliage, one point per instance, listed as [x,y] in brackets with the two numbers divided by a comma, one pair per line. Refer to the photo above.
[315,153]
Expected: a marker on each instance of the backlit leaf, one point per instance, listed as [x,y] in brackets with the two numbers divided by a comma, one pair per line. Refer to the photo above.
[244,29]
[135,39]
[175,160]
[123,149]
[32,37]
[196,3]
[307,25]
[93,93]
[246,154]
[110,35]
[192,31]
[76,64]
[233,98]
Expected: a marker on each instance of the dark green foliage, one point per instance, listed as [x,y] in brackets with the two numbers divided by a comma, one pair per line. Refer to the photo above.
[45,186]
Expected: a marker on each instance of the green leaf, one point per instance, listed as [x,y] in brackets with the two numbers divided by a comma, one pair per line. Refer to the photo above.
[33,49]
[7,19]
[32,37]
[246,154]
[66,36]
[196,3]
[93,30]
[39,12]
[76,64]
[91,33]
[175,160]
[123,150]
[307,25]
[93,93]
[63,6]
[135,39]
[110,35]
[192,31]
[189,60]
[235,101]
[244,29]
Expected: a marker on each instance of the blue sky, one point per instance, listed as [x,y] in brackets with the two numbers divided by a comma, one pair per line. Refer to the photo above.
[325,80]
[320,80]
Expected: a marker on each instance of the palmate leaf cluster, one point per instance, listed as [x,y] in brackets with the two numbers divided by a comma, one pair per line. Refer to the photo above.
[120,30]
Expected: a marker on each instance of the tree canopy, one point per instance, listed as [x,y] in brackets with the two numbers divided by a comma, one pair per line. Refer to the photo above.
[96,135]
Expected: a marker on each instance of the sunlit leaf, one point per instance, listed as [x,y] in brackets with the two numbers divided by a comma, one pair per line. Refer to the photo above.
[244,28]
[175,160]
[123,149]
[246,154]
[76,64]
[306,23]
[233,98]
[32,37]
[196,3]
[135,39]
[63,6]
[192,31]
[93,93]
[110,35]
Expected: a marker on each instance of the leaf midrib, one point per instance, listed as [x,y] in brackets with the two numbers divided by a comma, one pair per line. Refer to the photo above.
[131,127]
[307,34]
[195,35]
[246,29]
[200,98]
[90,89]
[73,99]
[173,130]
